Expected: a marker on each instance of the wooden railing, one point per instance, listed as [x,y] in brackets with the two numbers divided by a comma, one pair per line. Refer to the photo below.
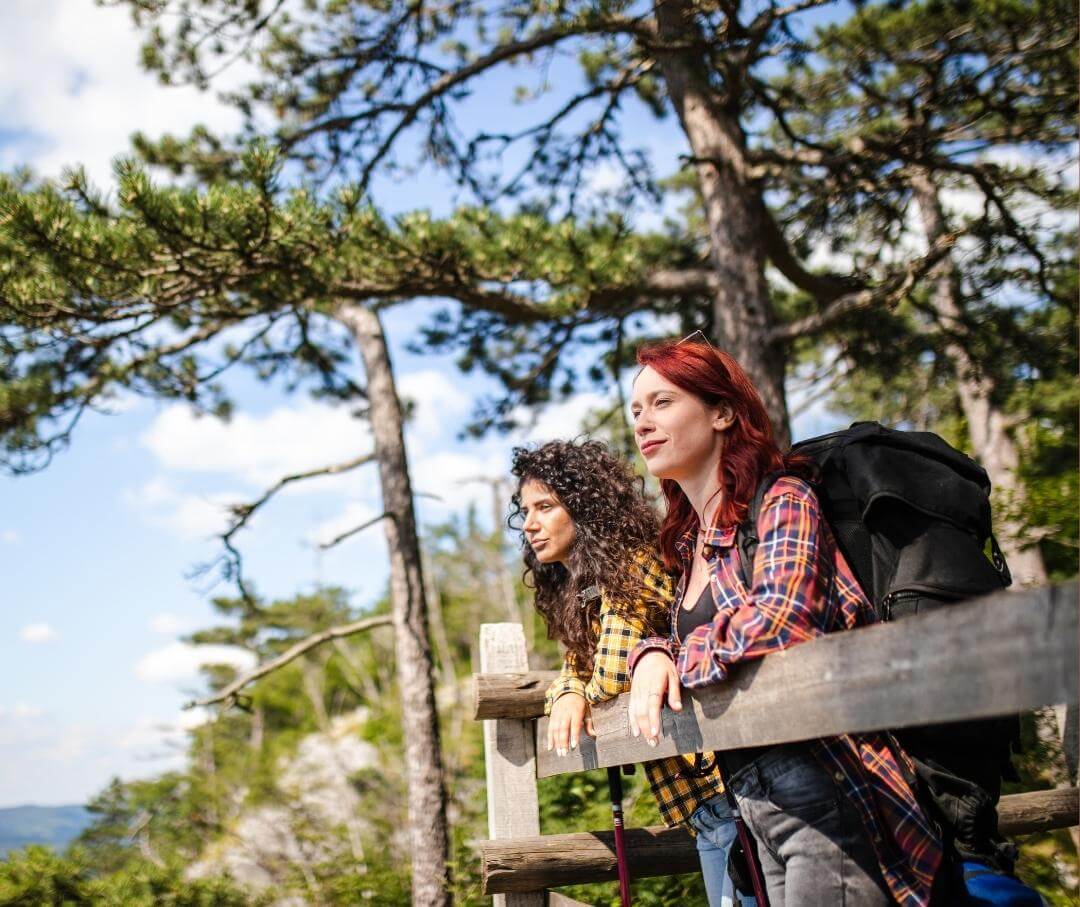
[1007,653]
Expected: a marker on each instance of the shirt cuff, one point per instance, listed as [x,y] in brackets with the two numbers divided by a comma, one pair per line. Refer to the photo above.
[560,687]
[658,643]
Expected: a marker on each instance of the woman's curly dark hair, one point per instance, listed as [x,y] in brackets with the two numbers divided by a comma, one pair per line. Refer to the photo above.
[613,520]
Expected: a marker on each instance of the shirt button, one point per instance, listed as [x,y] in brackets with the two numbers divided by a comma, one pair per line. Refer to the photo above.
[838,776]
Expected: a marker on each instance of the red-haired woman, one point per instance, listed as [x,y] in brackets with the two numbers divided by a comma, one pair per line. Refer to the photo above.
[836,820]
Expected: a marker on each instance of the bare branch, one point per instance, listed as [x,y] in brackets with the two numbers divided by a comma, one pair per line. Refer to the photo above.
[887,293]
[228,693]
[233,566]
[445,83]
[676,282]
[352,532]
[243,512]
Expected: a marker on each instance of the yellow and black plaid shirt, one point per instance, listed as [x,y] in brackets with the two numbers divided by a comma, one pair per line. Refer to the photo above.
[616,635]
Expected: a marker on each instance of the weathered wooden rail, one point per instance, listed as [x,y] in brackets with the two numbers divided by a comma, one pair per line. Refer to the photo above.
[1006,653]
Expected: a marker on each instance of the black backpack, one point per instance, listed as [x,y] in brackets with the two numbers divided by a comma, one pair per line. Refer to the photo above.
[911,515]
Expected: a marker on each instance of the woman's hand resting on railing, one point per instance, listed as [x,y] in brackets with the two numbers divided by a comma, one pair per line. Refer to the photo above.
[655,679]
[568,713]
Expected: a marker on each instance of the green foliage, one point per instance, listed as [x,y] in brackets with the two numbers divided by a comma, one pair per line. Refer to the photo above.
[168,290]
[163,290]
[38,877]
[1048,860]
[581,802]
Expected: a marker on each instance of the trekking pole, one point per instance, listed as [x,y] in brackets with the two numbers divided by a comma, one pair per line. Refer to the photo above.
[757,879]
[615,787]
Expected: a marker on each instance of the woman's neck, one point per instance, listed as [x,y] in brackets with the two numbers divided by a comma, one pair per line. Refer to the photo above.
[704,493]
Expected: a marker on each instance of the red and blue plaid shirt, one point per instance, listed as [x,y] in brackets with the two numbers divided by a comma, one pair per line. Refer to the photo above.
[803,588]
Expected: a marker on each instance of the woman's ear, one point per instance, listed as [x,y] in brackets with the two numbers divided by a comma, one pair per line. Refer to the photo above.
[724,417]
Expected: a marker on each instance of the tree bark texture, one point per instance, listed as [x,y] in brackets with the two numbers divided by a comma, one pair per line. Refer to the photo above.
[428,833]
[991,440]
[742,305]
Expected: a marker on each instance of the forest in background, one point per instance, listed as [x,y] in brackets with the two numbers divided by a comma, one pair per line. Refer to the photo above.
[239,811]
[876,209]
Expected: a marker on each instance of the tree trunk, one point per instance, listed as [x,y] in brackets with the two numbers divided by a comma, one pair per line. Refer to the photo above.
[428,832]
[989,427]
[994,447]
[742,306]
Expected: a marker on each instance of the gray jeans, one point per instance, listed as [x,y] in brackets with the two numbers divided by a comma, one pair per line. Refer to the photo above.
[812,844]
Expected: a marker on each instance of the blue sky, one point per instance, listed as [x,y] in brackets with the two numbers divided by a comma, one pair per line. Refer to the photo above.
[94,551]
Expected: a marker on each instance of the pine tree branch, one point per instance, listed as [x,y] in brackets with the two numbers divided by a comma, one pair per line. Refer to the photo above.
[825,288]
[888,293]
[228,693]
[518,308]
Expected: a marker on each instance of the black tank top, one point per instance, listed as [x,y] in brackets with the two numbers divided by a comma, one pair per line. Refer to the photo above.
[704,610]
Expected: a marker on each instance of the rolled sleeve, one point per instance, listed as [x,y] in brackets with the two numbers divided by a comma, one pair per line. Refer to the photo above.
[568,681]
[619,632]
[652,644]
[786,602]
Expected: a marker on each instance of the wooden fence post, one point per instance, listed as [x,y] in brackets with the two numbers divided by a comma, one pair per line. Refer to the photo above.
[510,755]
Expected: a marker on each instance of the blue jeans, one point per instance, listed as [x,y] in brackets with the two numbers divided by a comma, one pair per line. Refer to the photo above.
[715,834]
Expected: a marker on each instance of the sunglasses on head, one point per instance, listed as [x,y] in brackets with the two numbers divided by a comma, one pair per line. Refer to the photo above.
[698,333]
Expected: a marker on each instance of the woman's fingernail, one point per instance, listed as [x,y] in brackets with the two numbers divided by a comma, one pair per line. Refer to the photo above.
[652,743]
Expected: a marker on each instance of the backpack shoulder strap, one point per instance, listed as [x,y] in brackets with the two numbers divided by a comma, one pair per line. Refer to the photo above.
[746,536]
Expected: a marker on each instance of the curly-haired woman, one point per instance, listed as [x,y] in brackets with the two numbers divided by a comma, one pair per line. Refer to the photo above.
[589,538]
[836,820]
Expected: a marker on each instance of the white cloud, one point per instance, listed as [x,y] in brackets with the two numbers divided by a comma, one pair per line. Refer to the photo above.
[440,405]
[193,718]
[73,90]
[188,516]
[258,449]
[25,710]
[166,624]
[37,633]
[9,537]
[181,661]
[165,741]
[150,736]
[561,420]
[606,176]
[50,761]
[450,475]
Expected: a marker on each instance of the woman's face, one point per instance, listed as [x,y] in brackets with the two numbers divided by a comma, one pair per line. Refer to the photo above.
[677,434]
[548,528]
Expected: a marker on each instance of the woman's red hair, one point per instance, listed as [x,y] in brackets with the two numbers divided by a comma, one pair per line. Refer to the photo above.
[750,450]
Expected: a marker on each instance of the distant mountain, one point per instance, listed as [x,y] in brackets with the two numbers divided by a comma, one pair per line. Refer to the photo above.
[51,825]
